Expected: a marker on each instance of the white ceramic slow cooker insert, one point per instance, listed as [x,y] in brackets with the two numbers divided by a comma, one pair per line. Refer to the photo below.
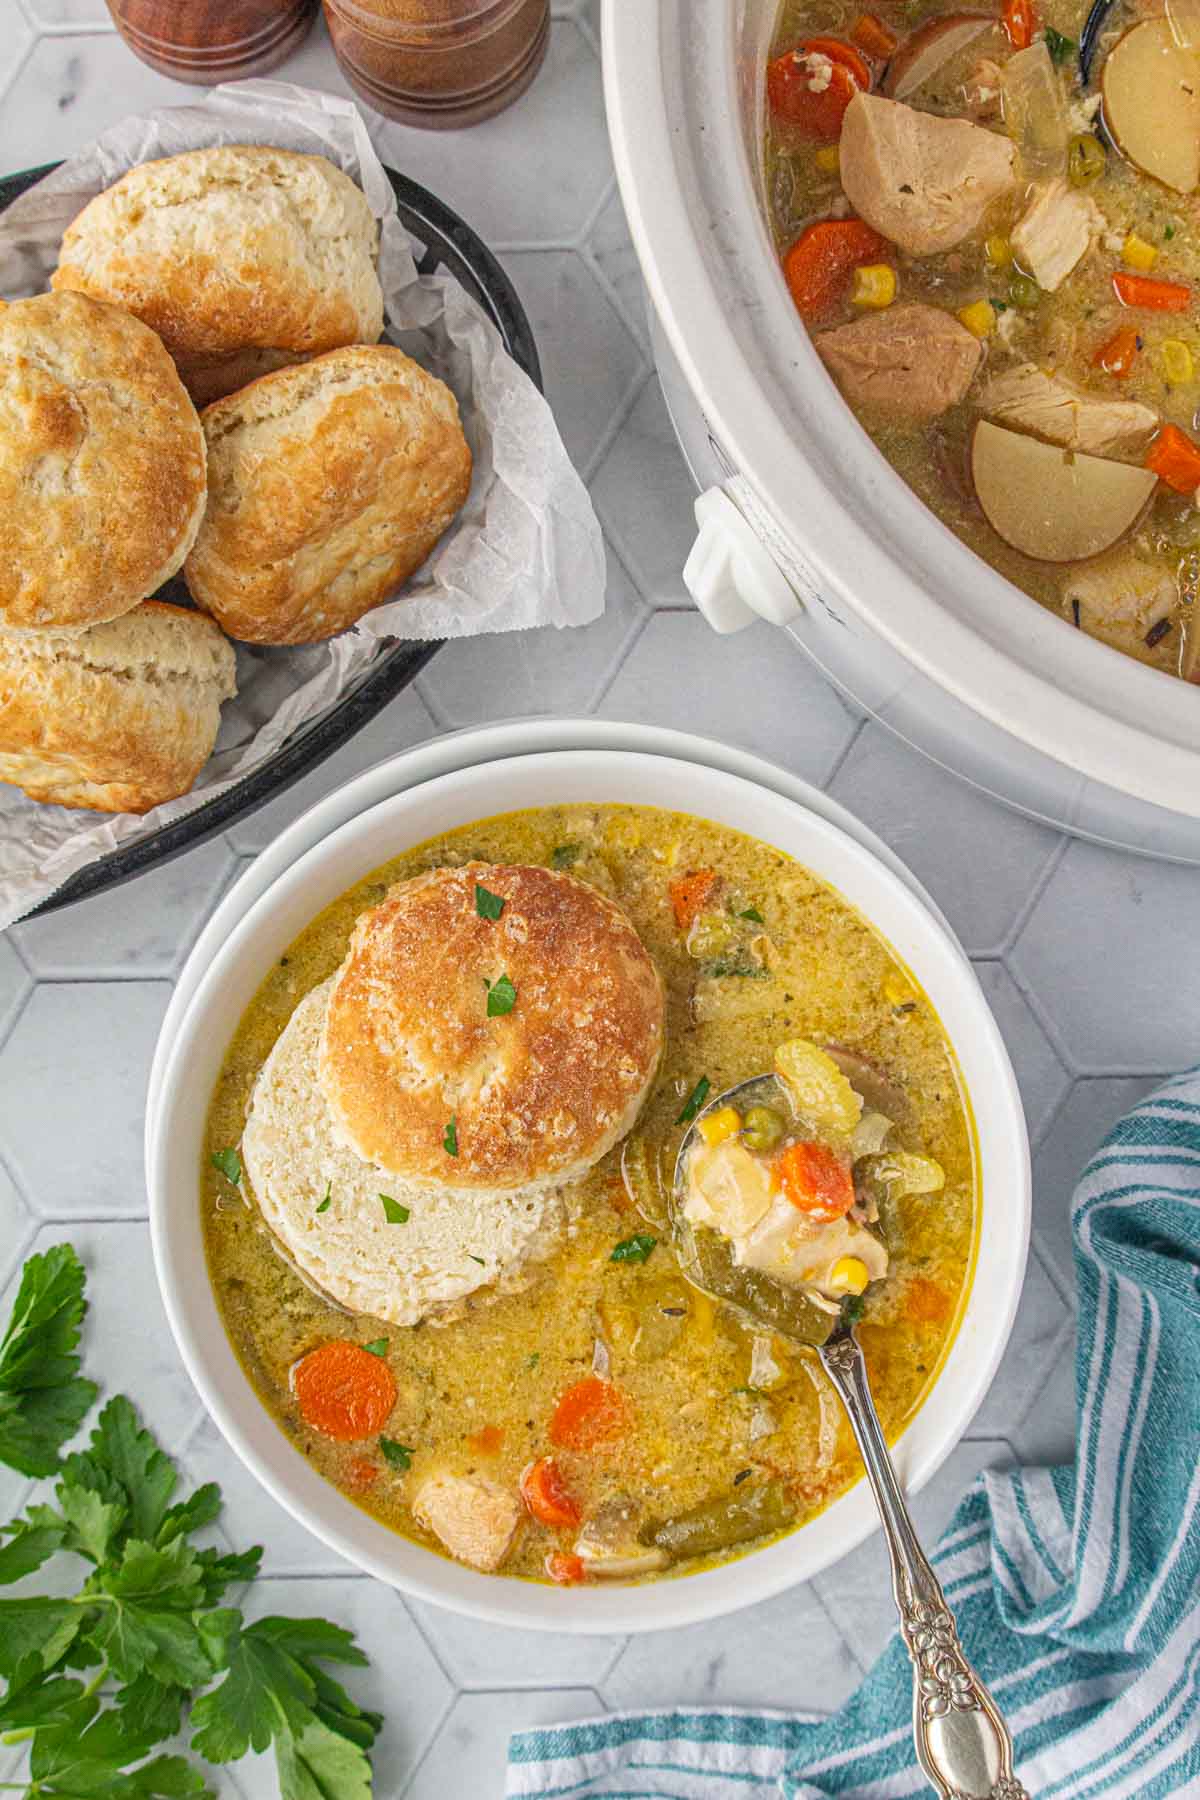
[803,521]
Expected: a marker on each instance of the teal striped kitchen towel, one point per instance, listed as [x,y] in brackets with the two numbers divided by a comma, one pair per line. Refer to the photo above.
[1077,1589]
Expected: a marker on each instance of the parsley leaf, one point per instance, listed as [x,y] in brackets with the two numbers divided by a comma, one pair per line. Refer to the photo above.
[477,1259]
[228,1163]
[563,856]
[393,1211]
[377,1347]
[488,906]
[1061,48]
[853,1308]
[634,1249]
[324,1204]
[450,1136]
[43,1399]
[752,913]
[502,997]
[399,1455]
[694,1101]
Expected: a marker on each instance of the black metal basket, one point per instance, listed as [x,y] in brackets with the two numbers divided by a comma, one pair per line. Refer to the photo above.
[447,242]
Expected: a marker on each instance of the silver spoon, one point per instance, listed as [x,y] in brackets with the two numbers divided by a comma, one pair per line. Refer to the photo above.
[962,1742]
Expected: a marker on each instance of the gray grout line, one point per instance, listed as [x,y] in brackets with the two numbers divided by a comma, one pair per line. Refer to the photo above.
[437,718]
[1041,882]
[616,424]
[636,330]
[423,1755]
[1033,1001]
[640,627]
[840,760]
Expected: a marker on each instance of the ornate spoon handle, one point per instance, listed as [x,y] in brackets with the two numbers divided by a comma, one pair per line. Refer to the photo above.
[962,1743]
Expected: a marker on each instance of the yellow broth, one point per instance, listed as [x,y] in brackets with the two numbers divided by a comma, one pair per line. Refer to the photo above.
[684,1363]
[1062,331]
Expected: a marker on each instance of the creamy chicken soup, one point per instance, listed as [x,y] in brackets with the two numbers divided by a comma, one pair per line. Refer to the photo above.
[986,218]
[603,1418]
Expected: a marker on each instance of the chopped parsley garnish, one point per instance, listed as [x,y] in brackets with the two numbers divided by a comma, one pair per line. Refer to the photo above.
[746,1390]
[502,997]
[477,1259]
[228,1163]
[853,1308]
[752,913]
[742,1475]
[393,1212]
[744,967]
[634,1249]
[534,1360]
[564,856]
[1061,48]
[327,1202]
[488,906]
[377,1347]
[1168,232]
[450,1137]
[399,1455]
[694,1101]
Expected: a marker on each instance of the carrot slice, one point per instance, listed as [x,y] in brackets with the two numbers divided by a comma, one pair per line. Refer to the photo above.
[362,1472]
[815,1180]
[872,35]
[926,1303]
[547,1495]
[689,894]
[1175,459]
[1018,22]
[1117,355]
[819,266]
[344,1391]
[810,86]
[1146,291]
[567,1570]
[592,1413]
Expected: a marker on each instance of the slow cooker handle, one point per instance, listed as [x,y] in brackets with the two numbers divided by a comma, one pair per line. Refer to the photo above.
[732,574]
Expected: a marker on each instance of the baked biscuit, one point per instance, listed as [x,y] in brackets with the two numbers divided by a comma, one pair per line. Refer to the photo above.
[329,484]
[120,717]
[229,249]
[423,1080]
[102,480]
[454,1241]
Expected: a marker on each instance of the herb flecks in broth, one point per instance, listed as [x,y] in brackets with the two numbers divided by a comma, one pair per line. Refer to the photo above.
[676,1431]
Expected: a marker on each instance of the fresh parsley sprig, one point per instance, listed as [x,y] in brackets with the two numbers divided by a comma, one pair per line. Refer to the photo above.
[149,1613]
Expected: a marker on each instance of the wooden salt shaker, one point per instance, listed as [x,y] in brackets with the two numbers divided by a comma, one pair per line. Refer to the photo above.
[439,63]
[207,41]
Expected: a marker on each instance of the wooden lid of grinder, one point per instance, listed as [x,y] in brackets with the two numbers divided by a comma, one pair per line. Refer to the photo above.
[206,41]
[439,63]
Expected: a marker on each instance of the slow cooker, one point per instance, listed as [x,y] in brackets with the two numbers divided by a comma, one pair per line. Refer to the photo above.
[802,521]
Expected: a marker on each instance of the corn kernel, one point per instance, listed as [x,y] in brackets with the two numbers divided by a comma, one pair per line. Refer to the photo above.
[998,251]
[979,318]
[1175,361]
[828,159]
[874,285]
[849,1275]
[726,1122]
[1136,253]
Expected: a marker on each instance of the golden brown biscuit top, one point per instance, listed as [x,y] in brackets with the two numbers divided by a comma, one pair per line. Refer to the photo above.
[102,462]
[232,247]
[535,1093]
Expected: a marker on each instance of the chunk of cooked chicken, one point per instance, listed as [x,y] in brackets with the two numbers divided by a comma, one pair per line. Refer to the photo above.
[1119,598]
[1032,399]
[910,362]
[1055,233]
[923,181]
[475,1519]
[609,1545]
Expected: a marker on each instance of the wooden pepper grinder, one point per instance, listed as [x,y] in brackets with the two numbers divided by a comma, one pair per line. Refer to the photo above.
[207,41]
[439,63]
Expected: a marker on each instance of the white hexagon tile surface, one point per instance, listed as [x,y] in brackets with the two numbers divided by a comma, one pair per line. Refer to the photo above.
[1088,957]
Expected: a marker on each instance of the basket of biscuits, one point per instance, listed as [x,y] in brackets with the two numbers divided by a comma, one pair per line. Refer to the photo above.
[270,431]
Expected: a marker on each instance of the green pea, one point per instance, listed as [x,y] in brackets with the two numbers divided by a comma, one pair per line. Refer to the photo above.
[1024,292]
[762,1128]
[1086,159]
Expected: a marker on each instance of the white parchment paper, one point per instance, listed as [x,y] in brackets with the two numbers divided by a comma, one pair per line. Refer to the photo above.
[526,550]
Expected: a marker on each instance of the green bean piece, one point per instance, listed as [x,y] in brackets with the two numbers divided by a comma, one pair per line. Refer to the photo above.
[762,1128]
[1086,160]
[1024,292]
[734,1518]
[707,1259]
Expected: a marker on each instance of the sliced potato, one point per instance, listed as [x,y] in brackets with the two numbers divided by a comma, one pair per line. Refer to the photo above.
[1054,505]
[918,59]
[1151,90]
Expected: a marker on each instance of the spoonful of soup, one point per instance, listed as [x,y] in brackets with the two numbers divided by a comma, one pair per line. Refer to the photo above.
[782,1203]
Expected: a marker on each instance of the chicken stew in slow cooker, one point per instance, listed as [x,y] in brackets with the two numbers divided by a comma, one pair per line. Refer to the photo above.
[987,219]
